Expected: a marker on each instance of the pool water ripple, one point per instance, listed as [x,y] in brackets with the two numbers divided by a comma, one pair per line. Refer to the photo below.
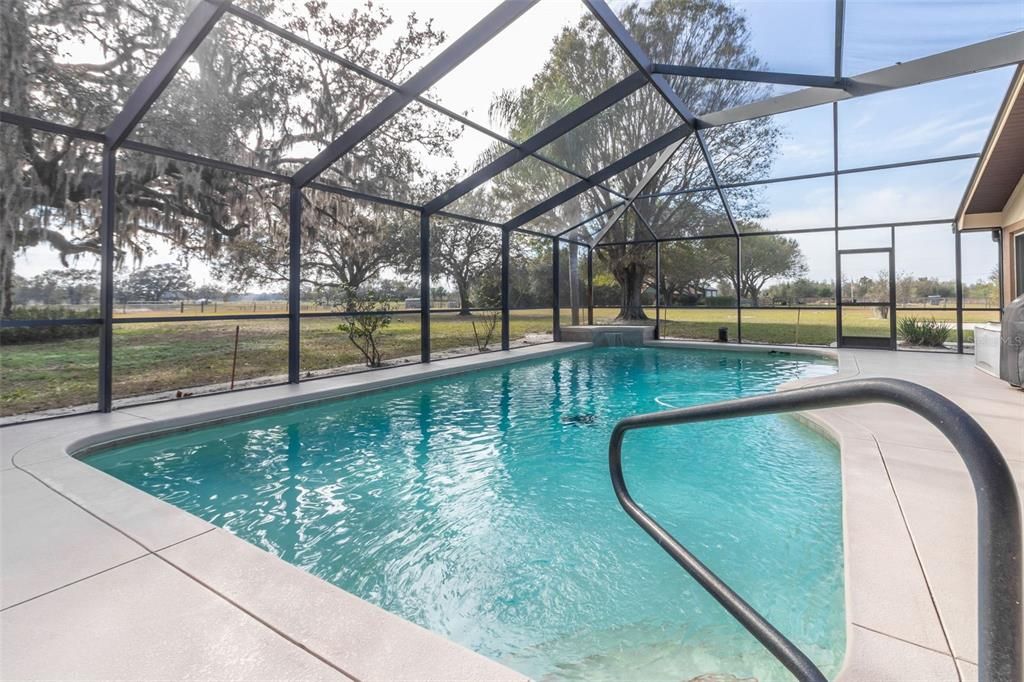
[480,507]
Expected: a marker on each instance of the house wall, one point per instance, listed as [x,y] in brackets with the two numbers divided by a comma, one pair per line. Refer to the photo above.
[1012,221]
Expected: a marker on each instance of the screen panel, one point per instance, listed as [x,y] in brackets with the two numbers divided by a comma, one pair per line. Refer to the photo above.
[784,145]
[572,286]
[740,34]
[879,33]
[248,96]
[516,189]
[588,203]
[789,270]
[530,290]
[413,157]
[54,213]
[357,253]
[455,335]
[516,91]
[48,371]
[980,269]
[866,238]
[697,288]
[691,214]
[621,129]
[929,192]
[81,61]
[186,234]
[789,288]
[915,123]
[465,262]
[624,283]
[783,206]
[158,361]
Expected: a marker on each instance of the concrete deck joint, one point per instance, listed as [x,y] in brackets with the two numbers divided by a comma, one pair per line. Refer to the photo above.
[905,641]
[73,582]
[917,553]
[156,553]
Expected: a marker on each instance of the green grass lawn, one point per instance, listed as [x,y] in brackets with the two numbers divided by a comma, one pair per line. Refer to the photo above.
[167,356]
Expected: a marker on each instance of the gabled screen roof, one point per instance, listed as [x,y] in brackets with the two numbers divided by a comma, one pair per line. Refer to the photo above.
[551,116]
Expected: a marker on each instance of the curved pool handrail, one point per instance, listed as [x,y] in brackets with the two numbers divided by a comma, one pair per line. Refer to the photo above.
[999,523]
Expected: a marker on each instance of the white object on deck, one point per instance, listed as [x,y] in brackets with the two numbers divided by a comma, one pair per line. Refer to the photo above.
[987,344]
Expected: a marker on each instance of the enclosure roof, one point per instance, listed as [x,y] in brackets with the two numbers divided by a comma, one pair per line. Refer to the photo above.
[639,137]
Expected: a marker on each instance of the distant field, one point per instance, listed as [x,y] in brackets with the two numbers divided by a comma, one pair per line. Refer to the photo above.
[172,308]
[810,327]
[169,356]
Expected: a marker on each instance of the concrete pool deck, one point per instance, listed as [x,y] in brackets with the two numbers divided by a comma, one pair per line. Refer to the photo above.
[102,581]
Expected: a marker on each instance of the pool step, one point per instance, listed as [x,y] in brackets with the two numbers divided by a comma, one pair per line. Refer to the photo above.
[644,651]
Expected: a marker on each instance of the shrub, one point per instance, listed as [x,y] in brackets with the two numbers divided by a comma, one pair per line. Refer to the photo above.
[919,331]
[368,317]
[54,332]
[484,335]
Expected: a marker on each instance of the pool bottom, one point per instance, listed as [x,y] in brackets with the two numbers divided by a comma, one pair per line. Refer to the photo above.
[480,507]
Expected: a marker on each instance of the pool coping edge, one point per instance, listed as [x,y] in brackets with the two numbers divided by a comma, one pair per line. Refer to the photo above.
[161,529]
[59,448]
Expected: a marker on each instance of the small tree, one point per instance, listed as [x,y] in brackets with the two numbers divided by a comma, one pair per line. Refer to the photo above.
[464,252]
[484,335]
[765,258]
[369,317]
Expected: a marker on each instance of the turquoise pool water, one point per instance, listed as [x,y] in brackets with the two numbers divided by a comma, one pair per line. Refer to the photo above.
[480,507]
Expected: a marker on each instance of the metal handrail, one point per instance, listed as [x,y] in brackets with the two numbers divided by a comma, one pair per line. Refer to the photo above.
[999,521]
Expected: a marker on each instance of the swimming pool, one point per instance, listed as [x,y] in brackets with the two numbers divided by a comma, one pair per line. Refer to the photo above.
[480,507]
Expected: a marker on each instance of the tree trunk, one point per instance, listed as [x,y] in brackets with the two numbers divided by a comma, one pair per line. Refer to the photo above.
[6,267]
[464,305]
[631,284]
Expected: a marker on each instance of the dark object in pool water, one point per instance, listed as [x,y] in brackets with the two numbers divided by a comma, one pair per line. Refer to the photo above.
[579,419]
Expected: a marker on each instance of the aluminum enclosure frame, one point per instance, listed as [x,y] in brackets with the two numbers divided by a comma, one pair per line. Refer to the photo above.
[206,13]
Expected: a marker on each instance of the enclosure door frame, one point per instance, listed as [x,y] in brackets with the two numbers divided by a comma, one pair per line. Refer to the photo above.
[867,342]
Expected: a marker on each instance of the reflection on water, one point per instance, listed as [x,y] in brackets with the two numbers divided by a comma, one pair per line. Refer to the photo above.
[480,507]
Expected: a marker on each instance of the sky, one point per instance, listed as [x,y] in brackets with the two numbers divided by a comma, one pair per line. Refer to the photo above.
[933,120]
